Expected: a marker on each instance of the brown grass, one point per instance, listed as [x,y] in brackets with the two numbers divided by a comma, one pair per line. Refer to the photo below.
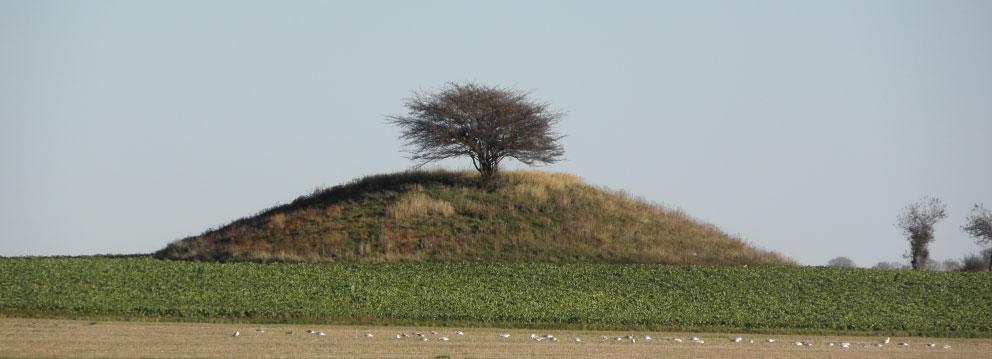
[81,339]
[418,204]
[448,216]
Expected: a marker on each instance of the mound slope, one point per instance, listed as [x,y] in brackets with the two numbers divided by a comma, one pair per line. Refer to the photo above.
[446,216]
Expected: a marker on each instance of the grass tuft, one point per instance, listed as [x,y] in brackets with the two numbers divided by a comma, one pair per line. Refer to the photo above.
[420,205]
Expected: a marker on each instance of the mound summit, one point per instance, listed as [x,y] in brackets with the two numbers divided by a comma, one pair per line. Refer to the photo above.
[446,216]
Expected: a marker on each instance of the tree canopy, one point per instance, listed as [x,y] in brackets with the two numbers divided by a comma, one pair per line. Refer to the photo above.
[917,221]
[485,123]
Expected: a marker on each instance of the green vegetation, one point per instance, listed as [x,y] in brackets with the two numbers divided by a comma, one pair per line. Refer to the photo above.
[766,298]
[526,216]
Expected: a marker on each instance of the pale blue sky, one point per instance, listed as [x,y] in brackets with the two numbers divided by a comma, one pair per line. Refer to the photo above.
[803,126]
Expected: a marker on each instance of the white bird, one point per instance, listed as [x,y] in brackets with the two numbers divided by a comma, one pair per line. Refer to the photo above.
[931,345]
[398,336]
[879,345]
[504,335]
[647,337]
[830,344]
[695,339]
[798,344]
[808,344]
[677,340]
[260,330]
[845,345]
[700,342]
[321,334]
[751,341]
[632,340]
[460,332]
[770,340]
[368,335]
[617,339]
[443,339]
[578,340]
[424,339]
[737,340]
[947,346]
[236,334]
[887,340]
[904,344]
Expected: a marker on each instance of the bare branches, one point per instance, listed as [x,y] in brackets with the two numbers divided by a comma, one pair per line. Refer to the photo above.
[979,225]
[917,221]
[487,124]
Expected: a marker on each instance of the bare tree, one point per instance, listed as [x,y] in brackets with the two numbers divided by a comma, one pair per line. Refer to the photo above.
[917,221]
[842,262]
[979,225]
[486,124]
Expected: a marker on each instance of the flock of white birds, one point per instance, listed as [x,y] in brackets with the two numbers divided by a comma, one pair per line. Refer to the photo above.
[426,337]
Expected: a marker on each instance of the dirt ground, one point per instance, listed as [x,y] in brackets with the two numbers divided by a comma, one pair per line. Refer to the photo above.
[79,338]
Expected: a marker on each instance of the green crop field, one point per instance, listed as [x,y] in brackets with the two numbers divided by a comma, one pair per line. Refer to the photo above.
[785,299]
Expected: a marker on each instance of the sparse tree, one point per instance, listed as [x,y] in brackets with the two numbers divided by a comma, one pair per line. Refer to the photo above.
[486,124]
[979,225]
[842,262]
[917,221]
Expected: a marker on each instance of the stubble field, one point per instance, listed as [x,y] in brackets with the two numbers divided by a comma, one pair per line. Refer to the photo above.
[26,337]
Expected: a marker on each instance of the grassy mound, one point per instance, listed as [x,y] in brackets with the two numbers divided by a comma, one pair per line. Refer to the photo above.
[446,216]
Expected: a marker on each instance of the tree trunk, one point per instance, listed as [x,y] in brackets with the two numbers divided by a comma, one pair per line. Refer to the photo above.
[487,172]
[919,251]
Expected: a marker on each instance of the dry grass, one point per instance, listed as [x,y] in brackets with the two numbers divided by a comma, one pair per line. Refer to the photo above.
[440,215]
[418,204]
[551,180]
[81,339]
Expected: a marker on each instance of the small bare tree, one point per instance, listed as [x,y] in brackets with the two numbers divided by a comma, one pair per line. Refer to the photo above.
[917,221]
[486,124]
[979,225]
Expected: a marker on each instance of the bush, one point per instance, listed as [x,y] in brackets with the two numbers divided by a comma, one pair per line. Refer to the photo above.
[974,263]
